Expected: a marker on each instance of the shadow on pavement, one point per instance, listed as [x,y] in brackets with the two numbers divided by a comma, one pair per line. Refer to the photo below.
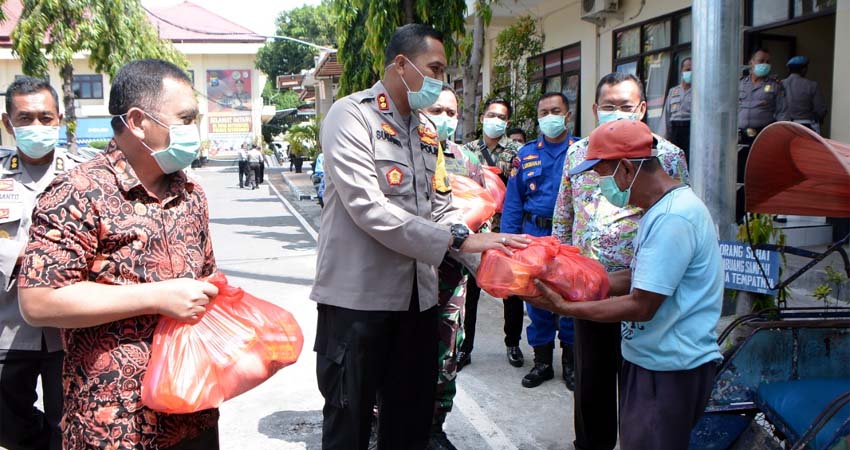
[272,221]
[293,427]
[265,277]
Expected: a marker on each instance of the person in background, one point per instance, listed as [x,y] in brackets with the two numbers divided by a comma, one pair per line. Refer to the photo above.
[668,316]
[517,135]
[804,99]
[529,205]
[677,111]
[605,232]
[494,149]
[135,245]
[27,352]
[319,177]
[452,275]
[254,159]
[388,202]
[242,160]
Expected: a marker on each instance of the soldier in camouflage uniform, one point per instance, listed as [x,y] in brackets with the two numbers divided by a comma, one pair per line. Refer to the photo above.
[494,149]
[451,274]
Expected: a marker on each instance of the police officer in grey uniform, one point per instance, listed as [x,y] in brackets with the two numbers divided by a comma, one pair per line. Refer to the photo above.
[387,224]
[677,111]
[805,101]
[761,101]
[26,352]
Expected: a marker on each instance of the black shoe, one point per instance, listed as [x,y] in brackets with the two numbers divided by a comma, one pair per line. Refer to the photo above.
[539,373]
[463,359]
[439,441]
[515,357]
[569,368]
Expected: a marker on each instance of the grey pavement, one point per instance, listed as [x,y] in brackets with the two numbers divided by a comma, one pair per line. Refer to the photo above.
[266,249]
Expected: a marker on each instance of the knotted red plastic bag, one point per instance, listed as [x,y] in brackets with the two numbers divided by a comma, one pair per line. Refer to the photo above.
[475,202]
[239,342]
[495,186]
[562,267]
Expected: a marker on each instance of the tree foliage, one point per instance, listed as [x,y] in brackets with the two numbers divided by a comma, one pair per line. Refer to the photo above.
[303,139]
[308,23]
[113,32]
[511,73]
[364,29]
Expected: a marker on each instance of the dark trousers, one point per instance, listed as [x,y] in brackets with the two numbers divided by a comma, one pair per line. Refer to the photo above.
[388,355]
[513,314]
[598,361]
[744,144]
[253,171]
[207,440]
[242,166]
[680,135]
[659,409]
[22,425]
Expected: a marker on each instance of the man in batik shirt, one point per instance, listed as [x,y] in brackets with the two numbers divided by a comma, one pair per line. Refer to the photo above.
[585,219]
[115,244]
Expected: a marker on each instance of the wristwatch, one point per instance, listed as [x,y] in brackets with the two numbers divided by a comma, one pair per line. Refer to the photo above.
[459,234]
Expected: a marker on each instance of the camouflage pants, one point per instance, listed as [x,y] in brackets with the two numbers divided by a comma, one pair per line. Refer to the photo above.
[451,310]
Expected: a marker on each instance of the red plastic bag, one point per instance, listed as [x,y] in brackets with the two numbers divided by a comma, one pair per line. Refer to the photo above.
[475,202]
[495,186]
[239,342]
[562,267]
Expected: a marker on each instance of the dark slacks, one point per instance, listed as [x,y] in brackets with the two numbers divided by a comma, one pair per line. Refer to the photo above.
[680,135]
[207,440]
[388,355]
[659,409]
[513,314]
[242,167]
[598,361]
[22,425]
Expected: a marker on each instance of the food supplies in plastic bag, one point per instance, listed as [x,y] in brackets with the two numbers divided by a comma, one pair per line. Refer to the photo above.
[471,198]
[495,186]
[239,342]
[561,267]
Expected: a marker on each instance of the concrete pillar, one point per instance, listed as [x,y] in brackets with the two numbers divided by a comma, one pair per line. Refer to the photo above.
[714,117]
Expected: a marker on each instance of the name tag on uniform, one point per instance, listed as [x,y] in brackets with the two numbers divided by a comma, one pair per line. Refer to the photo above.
[768,88]
[7,185]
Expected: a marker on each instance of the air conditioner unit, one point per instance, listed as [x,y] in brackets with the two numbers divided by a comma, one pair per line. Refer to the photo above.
[597,10]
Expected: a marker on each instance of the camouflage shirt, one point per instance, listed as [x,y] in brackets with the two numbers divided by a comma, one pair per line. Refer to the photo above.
[461,161]
[502,156]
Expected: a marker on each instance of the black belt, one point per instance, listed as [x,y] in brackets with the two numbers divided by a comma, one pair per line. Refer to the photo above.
[541,222]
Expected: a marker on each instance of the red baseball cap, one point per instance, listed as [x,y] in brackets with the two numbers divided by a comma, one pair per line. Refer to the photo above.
[619,139]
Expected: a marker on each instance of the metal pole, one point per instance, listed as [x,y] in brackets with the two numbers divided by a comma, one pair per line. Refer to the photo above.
[714,118]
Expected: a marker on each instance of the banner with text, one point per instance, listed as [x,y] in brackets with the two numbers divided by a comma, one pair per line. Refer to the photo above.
[742,271]
[228,131]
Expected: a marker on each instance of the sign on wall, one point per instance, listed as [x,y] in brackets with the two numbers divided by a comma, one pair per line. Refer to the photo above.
[742,271]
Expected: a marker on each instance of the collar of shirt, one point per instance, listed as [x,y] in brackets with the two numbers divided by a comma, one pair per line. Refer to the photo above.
[128,180]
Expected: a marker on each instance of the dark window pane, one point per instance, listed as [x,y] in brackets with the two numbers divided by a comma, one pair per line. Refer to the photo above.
[97,90]
[685,30]
[571,59]
[553,84]
[552,63]
[656,35]
[570,89]
[628,42]
[629,67]
[656,72]
[804,7]
[769,11]
[85,90]
[535,67]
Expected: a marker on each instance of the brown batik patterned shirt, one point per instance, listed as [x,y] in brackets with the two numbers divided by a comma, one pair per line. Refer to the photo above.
[98,223]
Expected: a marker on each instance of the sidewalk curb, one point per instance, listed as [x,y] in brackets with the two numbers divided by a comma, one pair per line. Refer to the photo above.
[297,190]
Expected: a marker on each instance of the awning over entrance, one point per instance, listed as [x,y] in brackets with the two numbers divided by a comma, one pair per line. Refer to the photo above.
[792,170]
[89,129]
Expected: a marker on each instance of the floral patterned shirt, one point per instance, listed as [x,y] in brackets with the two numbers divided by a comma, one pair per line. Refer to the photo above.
[584,217]
[503,155]
[98,223]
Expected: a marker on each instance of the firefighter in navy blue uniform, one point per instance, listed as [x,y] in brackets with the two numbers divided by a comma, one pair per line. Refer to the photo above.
[529,206]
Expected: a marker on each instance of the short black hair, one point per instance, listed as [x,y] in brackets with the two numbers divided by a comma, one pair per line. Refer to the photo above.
[448,87]
[409,40]
[139,84]
[553,94]
[29,85]
[615,78]
[682,64]
[516,131]
[498,101]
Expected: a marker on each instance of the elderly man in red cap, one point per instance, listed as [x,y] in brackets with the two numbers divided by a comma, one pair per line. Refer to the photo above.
[669,301]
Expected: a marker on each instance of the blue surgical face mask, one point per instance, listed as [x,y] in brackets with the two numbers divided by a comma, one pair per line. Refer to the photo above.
[494,127]
[184,143]
[761,70]
[686,77]
[427,95]
[36,141]
[445,125]
[606,116]
[552,125]
[610,190]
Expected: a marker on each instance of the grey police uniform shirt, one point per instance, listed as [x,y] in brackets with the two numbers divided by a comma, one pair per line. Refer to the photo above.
[804,99]
[384,227]
[18,192]
[759,104]
[677,107]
